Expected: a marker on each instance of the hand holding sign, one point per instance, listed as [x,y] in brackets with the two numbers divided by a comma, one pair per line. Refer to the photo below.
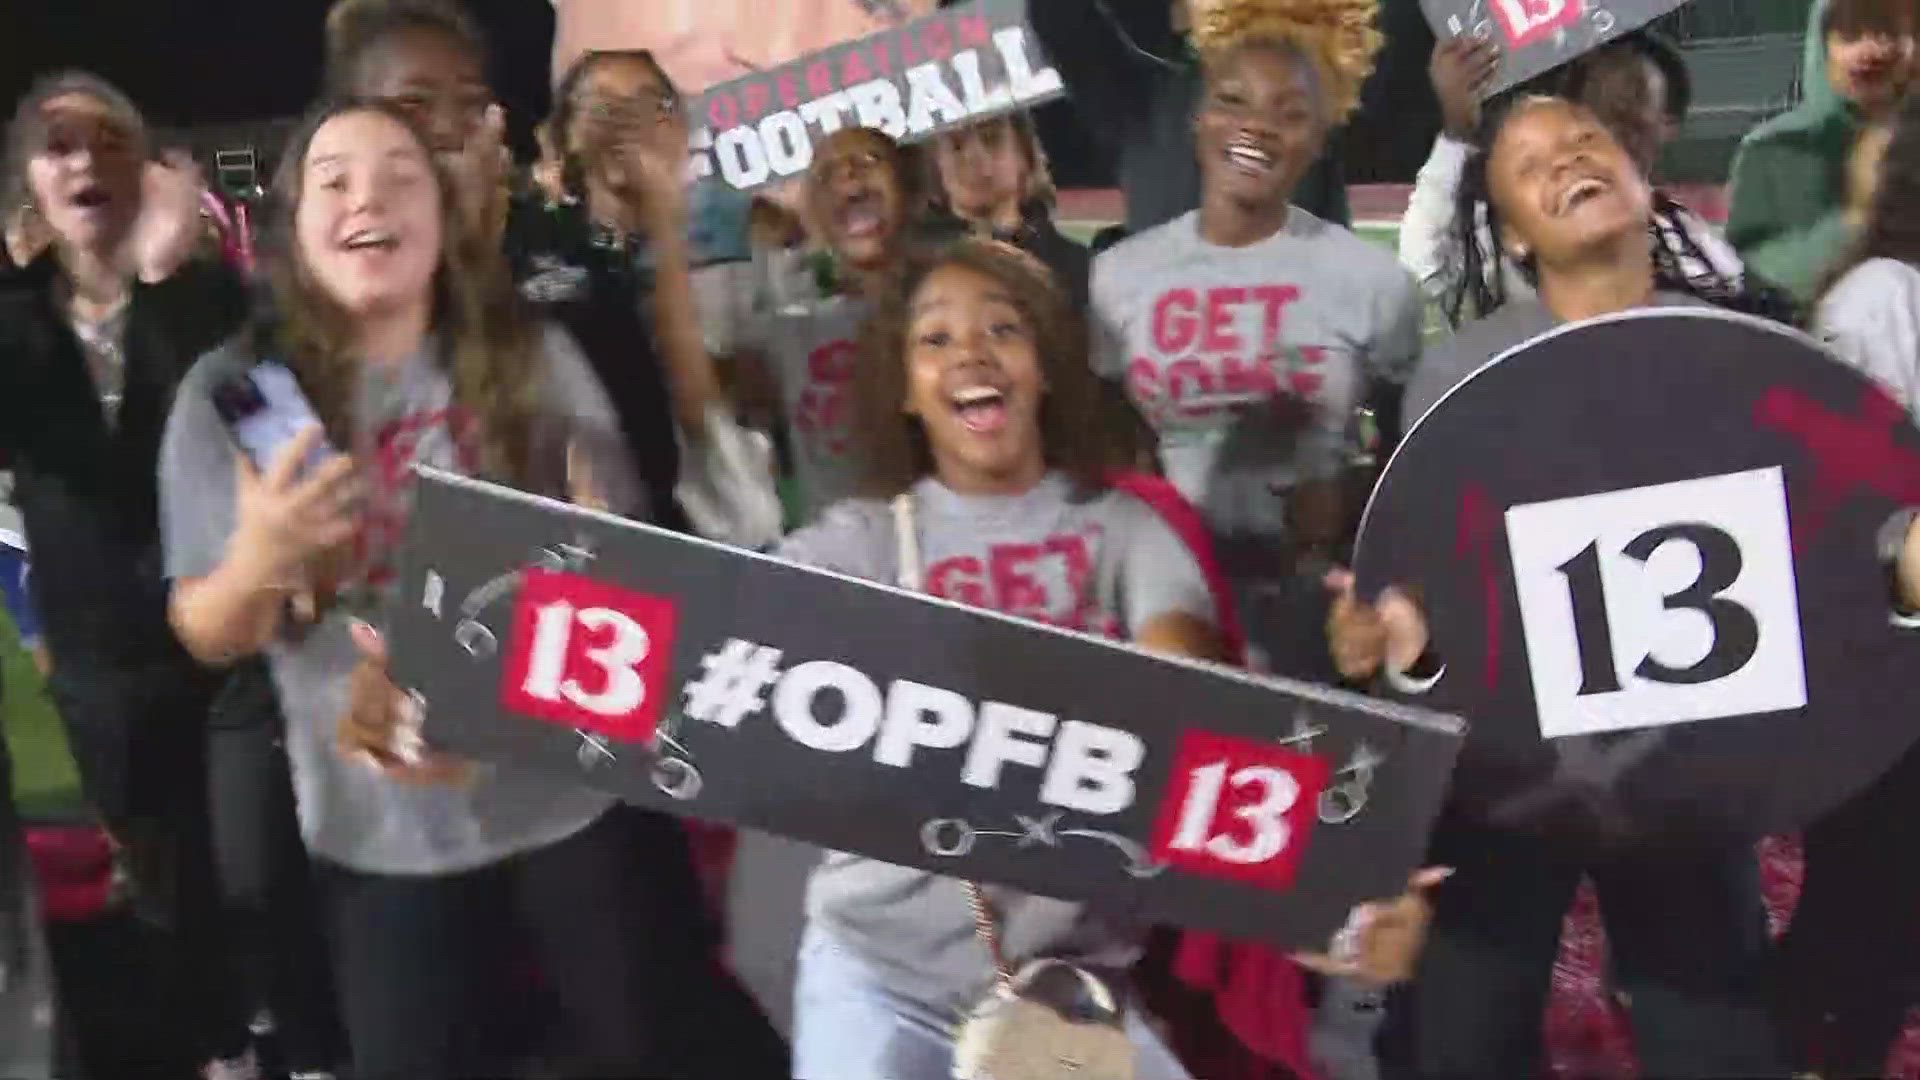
[704,681]
[1534,35]
[1657,581]
[381,725]
[1461,69]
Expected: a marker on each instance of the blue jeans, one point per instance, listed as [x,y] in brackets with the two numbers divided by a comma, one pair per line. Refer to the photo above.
[848,1024]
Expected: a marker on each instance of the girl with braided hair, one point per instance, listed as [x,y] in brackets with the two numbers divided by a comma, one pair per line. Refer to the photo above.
[1640,89]
[1685,926]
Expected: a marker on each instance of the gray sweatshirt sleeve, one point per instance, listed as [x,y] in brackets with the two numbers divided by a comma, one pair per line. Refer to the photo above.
[1872,320]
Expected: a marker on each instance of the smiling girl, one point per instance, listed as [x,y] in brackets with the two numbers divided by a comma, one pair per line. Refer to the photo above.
[1248,331]
[1567,202]
[413,352]
[976,419]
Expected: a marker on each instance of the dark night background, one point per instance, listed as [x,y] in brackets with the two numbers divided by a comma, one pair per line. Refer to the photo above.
[201,62]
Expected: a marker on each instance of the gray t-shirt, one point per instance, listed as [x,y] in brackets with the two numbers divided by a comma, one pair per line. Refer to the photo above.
[1105,564]
[811,349]
[1249,361]
[403,415]
[1871,318]
[1470,348]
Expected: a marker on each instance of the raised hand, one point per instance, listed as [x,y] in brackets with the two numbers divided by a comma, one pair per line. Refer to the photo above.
[1460,69]
[169,227]
[481,169]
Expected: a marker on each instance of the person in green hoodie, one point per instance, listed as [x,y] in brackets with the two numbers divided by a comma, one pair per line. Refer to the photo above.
[1790,176]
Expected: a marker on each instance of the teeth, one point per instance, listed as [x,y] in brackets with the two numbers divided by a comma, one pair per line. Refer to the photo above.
[1245,154]
[369,238]
[974,395]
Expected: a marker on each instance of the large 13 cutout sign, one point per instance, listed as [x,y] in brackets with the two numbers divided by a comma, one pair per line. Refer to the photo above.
[1647,548]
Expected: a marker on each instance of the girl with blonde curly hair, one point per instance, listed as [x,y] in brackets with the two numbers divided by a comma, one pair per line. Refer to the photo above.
[1249,332]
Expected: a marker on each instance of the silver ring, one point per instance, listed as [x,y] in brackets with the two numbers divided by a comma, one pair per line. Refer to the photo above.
[677,778]
[933,832]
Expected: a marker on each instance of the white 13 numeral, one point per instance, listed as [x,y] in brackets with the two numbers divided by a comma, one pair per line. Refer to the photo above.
[1278,792]
[1527,14]
[619,659]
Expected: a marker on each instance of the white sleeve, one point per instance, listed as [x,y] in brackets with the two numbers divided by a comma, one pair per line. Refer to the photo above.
[1427,245]
[1872,319]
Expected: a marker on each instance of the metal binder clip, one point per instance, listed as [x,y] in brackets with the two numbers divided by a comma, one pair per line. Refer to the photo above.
[593,750]
[473,636]
[1343,801]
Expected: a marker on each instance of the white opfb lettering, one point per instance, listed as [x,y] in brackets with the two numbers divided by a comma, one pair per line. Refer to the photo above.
[1007,734]
[1025,83]
[828,113]
[743,162]
[979,97]
[877,104]
[927,95]
[800,687]
[784,137]
[1092,768]
[921,715]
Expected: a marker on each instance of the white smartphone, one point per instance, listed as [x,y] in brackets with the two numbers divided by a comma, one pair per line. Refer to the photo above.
[264,410]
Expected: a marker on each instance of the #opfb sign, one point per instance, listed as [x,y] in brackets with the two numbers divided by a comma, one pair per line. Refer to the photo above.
[1537,35]
[959,66]
[707,682]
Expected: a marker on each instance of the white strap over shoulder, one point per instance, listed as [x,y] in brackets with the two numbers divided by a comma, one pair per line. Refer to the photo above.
[906,539]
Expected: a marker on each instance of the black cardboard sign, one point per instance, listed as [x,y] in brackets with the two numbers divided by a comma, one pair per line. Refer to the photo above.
[1537,35]
[707,682]
[955,67]
[1646,544]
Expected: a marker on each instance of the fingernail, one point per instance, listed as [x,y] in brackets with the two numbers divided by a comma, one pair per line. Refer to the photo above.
[367,760]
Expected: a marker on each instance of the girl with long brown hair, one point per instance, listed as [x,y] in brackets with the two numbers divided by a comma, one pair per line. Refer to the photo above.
[409,343]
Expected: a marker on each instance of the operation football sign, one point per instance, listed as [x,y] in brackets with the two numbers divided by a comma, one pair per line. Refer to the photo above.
[956,67]
[1537,35]
[1647,548]
[704,681]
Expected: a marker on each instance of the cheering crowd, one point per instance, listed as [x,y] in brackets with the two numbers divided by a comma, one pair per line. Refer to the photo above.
[915,377]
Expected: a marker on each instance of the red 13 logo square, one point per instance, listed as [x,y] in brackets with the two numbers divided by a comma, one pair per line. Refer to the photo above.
[1238,808]
[1526,21]
[585,654]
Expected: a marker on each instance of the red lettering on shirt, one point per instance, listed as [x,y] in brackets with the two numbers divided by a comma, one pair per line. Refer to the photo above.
[1050,582]
[396,449]
[1219,335]
[825,411]
[1173,330]
[1274,298]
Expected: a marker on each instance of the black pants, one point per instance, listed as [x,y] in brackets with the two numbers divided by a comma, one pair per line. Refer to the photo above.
[271,907]
[1850,961]
[1688,938]
[139,736]
[613,922]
